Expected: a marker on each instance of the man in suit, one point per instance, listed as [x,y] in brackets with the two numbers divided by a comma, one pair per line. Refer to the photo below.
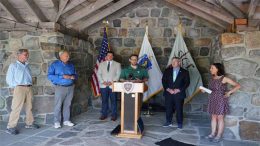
[108,72]
[175,81]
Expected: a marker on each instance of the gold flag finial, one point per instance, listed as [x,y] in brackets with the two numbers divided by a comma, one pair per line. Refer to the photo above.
[105,22]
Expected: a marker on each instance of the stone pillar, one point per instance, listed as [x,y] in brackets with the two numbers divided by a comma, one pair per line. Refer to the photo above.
[240,54]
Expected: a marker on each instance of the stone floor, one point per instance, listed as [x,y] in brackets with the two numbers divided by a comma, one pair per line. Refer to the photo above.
[90,131]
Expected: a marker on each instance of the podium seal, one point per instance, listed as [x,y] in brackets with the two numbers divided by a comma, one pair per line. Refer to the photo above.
[128,87]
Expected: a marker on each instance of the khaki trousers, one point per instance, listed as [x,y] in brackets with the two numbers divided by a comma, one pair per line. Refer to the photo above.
[22,95]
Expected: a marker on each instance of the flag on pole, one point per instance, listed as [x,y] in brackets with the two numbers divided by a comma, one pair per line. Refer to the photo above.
[101,57]
[180,50]
[147,59]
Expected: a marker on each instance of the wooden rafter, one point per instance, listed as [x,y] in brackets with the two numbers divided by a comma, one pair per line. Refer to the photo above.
[7,6]
[198,12]
[71,32]
[252,7]
[42,26]
[86,11]
[104,13]
[230,7]
[36,10]
[62,5]
[213,11]
[72,5]
[253,22]
[27,26]
[55,5]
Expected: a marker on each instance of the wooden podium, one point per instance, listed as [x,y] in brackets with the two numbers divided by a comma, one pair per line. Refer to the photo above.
[131,101]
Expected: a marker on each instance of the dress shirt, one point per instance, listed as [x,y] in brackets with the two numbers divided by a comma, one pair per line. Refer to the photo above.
[18,74]
[56,71]
[110,63]
[175,73]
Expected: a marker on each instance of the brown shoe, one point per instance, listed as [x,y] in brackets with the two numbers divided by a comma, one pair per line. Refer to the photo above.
[102,118]
[113,118]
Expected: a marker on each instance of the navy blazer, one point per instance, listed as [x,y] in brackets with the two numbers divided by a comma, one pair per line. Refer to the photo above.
[182,82]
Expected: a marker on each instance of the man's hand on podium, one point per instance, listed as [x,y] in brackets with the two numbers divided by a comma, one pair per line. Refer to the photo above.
[137,81]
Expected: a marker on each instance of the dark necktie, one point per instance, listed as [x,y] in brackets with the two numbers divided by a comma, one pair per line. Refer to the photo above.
[108,66]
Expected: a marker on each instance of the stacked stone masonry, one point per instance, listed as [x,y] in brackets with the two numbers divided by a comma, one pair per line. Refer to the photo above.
[240,53]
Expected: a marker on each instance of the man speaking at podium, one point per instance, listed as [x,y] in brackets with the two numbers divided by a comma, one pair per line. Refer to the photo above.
[134,72]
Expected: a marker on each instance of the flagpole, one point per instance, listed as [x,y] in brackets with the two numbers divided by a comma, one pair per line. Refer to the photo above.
[148,113]
[106,23]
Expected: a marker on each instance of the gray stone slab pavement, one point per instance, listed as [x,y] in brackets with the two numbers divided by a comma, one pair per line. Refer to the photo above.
[90,131]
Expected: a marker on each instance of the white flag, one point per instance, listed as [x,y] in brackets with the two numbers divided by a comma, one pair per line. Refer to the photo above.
[147,59]
[180,50]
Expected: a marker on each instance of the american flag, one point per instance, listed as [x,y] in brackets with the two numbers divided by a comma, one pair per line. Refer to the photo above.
[101,57]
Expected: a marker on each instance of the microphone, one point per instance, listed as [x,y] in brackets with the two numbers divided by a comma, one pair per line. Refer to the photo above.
[130,76]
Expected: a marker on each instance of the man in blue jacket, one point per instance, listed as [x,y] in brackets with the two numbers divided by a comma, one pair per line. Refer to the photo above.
[62,74]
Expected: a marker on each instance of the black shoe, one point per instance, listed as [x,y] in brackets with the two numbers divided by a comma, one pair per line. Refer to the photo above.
[113,118]
[12,131]
[102,118]
[33,126]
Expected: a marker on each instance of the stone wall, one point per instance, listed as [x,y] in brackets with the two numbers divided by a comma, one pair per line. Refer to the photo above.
[240,54]
[43,47]
[125,35]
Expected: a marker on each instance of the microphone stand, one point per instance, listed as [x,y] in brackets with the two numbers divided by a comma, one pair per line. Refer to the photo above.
[148,113]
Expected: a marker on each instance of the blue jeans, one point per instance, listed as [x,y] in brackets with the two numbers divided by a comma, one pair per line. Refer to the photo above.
[107,93]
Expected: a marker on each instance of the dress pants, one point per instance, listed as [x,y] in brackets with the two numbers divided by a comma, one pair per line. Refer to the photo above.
[107,93]
[174,103]
[63,98]
[22,96]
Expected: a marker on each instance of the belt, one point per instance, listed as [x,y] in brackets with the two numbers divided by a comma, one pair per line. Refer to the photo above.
[25,85]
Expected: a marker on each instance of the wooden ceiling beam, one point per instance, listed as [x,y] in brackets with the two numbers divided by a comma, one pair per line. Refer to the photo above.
[211,10]
[55,5]
[27,26]
[36,10]
[42,26]
[198,12]
[231,8]
[62,6]
[104,13]
[252,7]
[7,6]
[72,5]
[72,32]
[253,22]
[86,11]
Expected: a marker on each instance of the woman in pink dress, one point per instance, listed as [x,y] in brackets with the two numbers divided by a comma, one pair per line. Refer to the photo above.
[218,100]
